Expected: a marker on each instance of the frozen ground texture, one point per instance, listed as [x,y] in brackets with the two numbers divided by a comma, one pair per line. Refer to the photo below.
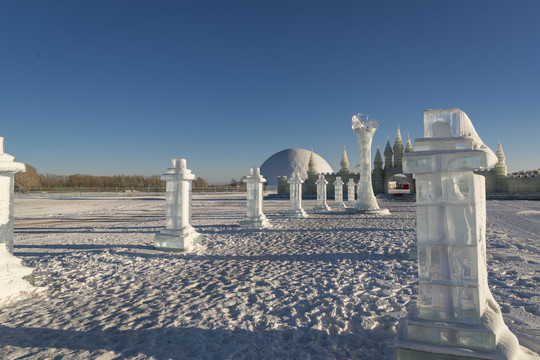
[332,285]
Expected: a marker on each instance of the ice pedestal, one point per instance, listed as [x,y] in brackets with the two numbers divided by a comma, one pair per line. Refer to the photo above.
[13,274]
[321,205]
[364,131]
[351,186]
[338,193]
[455,316]
[295,209]
[178,235]
[254,217]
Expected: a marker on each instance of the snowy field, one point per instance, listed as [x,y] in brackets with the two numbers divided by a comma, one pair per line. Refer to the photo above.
[333,285]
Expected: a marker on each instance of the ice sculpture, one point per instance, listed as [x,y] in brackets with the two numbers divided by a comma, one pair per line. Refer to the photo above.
[255,217]
[295,209]
[364,131]
[456,316]
[351,185]
[322,205]
[338,193]
[13,274]
[178,234]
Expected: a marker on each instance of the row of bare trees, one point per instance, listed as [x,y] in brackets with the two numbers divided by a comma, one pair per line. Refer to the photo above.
[31,180]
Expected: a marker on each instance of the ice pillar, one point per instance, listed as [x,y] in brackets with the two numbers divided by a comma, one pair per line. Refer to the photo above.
[322,205]
[296,196]
[456,315]
[254,217]
[364,132]
[178,234]
[351,185]
[12,272]
[338,193]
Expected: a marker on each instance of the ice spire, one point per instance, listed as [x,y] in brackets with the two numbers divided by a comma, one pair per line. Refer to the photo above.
[398,149]
[388,154]
[500,154]
[377,164]
[501,171]
[344,162]
[312,166]
[408,147]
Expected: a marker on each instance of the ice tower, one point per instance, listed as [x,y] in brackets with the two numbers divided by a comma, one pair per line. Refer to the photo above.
[456,316]
[338,193]
[179,234]
[12,273]
[295,209]
[351,186]
[254,217]
[322,205]
[364,131]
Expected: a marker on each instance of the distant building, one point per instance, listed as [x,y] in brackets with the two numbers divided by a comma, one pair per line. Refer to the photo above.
[380,175]
[498,180]
[388,176]
[285,162]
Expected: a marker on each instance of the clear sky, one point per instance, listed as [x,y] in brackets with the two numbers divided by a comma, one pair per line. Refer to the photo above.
[121,87]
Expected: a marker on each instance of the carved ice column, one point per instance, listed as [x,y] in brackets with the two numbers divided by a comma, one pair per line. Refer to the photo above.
[456,316]
[255,217]
[12,273]
[364,132]
[179,234]
[322,205]
[296,196]
[351,185]
[338,193]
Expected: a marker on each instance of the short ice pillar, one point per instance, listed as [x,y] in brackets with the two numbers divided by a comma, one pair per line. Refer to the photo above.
[254,217]
[351,187]
[295,209]
[322,205]
[364,131]
[338,193]
[456,316]
[13,274]
[178,235]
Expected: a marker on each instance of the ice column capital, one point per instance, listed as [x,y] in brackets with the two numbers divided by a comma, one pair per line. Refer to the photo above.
[450,144]
[254,176]
[295,179]
[178,171]
[321,180]
[6,161]
[362,126]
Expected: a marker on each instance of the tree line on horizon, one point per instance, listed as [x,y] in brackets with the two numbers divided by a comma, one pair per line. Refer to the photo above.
[32,180]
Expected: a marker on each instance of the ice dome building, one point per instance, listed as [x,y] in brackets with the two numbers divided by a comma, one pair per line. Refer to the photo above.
[285,162]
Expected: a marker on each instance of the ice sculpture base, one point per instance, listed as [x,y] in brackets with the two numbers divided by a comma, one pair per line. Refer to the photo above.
[420,339]
[339,205]
[296,213]
[177,240]
[13,278]
[256,222]
[323,207]
[369,212]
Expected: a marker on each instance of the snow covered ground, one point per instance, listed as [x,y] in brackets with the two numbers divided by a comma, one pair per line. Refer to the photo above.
[333,285]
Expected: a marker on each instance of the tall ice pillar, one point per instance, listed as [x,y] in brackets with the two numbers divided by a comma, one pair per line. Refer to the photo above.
[12,273]
[338,193]
[364,131]
[456,316]
[178,235]
[295,209]
[255,217]
[322,205]
[351,187]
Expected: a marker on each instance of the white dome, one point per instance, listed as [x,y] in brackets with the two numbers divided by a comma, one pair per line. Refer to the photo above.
[285,162]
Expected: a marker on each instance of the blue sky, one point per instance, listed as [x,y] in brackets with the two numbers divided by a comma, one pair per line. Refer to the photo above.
[121,87]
